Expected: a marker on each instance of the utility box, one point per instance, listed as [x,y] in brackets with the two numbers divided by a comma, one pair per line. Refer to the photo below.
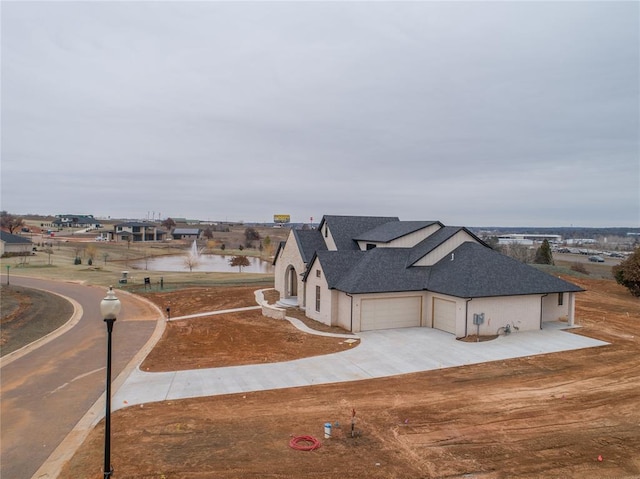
[478,319]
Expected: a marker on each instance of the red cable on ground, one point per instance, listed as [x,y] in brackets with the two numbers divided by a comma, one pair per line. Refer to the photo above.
[304,443]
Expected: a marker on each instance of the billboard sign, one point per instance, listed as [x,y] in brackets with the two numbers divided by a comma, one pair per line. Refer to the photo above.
[281,219]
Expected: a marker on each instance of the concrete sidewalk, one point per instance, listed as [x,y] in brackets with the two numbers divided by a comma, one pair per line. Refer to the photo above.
[380,354]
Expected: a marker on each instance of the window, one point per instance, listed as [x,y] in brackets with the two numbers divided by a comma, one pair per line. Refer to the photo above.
[318,298]
[326,231]
[317,273]
[560,299]
[370,246]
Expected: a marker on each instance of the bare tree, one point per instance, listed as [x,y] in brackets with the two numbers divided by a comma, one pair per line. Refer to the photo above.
[168,224]
[49,251]
[191,262]
[519,252]
[10,222]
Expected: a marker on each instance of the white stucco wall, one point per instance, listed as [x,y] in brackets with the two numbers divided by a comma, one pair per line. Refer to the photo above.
[344,311]
[289,256]
[521,311]
[552,311]
[15,248]
[445,249]
[407,241]
[328,239]
[328,299]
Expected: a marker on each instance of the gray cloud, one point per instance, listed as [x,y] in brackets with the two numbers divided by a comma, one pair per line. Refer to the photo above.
[513,113]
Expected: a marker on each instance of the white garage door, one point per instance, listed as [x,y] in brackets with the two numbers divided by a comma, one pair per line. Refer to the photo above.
[444,315]
[390,313]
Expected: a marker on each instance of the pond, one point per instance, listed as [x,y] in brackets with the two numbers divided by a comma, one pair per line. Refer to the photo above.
[205,263]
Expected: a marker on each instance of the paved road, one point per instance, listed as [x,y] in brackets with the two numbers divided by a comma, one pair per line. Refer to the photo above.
[47,391]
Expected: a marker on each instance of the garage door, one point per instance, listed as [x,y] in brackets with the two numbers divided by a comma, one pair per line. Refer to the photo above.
[444,315]
[389,313]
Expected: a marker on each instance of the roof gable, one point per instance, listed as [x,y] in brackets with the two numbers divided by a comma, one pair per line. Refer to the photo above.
[422,252]
[382,270]
[473,270]
[309,241]
[335,264]
[345,228]
[278,250]
[392,230]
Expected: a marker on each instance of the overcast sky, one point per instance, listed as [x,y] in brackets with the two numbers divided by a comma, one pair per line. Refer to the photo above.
[471,113]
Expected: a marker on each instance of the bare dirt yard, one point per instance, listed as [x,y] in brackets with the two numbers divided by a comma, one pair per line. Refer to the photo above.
[566,415]
[234,338]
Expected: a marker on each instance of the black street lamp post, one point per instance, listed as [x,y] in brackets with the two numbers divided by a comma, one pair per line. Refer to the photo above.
[109,307]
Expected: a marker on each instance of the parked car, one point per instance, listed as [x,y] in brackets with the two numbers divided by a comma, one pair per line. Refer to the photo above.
[596,259]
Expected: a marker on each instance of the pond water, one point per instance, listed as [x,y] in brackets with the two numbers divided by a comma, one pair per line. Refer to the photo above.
[206,263]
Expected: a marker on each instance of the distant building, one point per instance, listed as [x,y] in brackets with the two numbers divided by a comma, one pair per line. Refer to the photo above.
[579,241]
[135,231]
[14,245]
[186,233]
[76,221]
[528,239]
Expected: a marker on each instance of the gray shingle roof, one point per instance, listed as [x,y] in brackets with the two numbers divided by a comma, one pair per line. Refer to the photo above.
[345,228]
[393,230]
[335,264]
[478,271]
[475,271]
[13,239]
[186,231]
[382,270]
[309,241]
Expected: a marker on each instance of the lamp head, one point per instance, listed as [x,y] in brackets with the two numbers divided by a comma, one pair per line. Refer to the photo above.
[110,305]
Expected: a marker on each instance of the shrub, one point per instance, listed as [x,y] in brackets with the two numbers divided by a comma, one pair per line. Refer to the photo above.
[627,273]
[579,268]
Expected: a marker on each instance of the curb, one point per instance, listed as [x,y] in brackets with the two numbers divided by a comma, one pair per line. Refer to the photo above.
[26,349]
[52,467]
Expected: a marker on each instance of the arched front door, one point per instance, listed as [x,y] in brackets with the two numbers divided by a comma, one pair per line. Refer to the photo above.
[292,282]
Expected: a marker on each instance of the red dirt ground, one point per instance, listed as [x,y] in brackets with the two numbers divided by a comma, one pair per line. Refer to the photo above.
[549,416]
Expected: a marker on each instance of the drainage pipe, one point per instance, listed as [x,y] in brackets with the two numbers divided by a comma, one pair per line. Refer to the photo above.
[466,315]
[351,308]
[541,298]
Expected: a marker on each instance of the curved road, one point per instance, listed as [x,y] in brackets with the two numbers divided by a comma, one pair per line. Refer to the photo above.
[48,390]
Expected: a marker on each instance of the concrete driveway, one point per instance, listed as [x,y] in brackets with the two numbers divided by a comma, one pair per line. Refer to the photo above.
[380,354]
